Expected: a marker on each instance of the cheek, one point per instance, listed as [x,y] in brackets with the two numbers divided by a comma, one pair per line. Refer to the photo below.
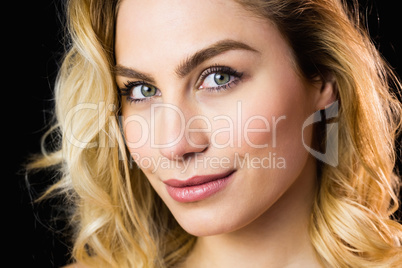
[136,130]
[260,131]
[272,124]
[136,133]
[276,125]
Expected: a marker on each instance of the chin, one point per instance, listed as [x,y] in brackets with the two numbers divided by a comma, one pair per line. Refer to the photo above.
[208,229]
[201,222]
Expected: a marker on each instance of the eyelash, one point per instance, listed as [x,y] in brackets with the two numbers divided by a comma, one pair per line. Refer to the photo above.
[127,90]
[220,69]
[129,85]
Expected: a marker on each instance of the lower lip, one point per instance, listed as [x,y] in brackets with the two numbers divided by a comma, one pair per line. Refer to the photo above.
[197,192]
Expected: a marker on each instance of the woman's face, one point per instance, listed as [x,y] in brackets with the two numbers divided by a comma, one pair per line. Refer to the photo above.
[212,109]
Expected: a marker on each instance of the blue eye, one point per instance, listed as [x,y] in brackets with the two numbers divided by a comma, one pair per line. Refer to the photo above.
[216,79]
[143,91]
[219,77]
[139,91]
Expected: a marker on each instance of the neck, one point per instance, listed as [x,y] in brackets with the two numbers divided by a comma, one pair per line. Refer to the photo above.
[278,238]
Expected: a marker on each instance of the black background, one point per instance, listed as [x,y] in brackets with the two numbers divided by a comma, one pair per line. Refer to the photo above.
[32,48]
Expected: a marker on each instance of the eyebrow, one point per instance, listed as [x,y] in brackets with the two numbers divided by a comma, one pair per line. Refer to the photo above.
[189,63]
[215,49]
[128,72]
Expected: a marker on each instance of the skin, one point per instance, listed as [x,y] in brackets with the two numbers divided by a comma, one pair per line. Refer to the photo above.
[262,214]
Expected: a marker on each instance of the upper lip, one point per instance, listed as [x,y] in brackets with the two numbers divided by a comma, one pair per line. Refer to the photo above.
[197,180]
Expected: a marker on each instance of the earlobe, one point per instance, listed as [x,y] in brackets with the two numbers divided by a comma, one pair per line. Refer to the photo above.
[327,93]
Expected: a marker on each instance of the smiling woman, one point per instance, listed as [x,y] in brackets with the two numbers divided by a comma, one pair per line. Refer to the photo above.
[199,136]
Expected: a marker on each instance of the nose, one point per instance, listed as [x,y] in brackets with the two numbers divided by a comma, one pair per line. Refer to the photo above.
[179,131]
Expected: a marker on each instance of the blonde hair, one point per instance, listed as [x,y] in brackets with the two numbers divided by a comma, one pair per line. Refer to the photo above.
[119,219]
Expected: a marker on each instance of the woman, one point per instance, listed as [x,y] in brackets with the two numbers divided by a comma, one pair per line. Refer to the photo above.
[226,134]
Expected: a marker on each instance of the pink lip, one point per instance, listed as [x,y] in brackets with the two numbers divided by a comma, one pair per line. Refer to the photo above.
[198,187]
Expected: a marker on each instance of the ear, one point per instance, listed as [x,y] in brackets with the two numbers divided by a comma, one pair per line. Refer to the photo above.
[326,92]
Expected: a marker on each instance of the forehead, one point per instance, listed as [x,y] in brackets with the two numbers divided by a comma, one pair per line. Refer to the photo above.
[162,18]
[149,29]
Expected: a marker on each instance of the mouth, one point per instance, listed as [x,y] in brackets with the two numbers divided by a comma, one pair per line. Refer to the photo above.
[197,188]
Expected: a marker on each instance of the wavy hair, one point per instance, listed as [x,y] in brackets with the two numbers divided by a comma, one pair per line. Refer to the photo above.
[120,221]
